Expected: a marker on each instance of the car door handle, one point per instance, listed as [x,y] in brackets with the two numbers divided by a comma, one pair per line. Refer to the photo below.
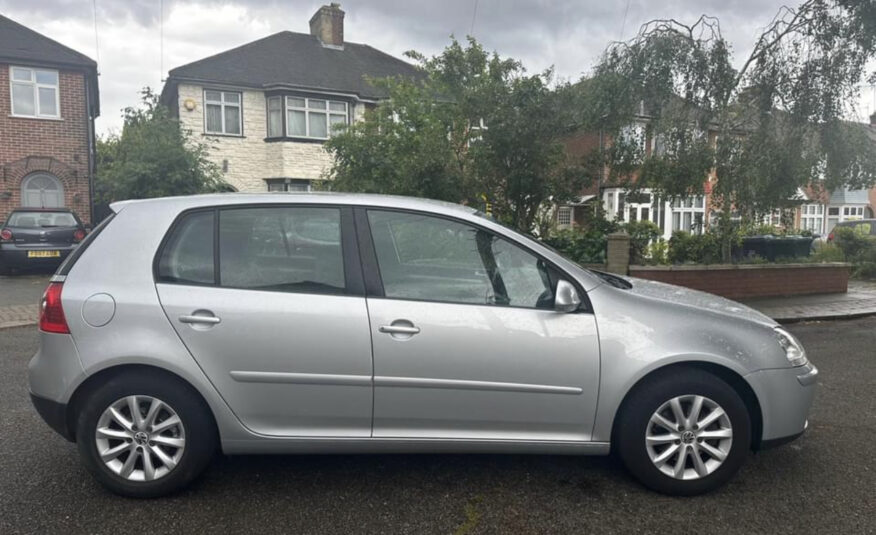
[399,329]
[211,320]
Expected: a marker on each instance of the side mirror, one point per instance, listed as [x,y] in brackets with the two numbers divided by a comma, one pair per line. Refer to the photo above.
[567,298]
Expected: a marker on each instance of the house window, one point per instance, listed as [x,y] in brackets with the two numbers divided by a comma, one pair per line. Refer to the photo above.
[275,116]
[564,216]
[223,112]
[288,184]
[34,92]
[812,218]
[853,212]
[313,117]
[688,214]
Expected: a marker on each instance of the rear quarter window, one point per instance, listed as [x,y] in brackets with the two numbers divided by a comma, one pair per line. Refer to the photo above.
[187,254]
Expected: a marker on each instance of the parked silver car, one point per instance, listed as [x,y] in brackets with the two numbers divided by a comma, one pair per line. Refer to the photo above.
[318,323]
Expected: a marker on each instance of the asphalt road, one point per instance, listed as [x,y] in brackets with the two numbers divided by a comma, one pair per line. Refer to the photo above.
[24,289]
[823,483]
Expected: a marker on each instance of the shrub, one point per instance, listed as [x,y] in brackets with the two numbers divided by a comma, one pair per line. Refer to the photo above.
[859,249]
[827,252]
[578,245]
[658,252]
[694,248]
[641,234]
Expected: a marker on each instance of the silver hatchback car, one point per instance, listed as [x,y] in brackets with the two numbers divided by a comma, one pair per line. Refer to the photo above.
[332,323]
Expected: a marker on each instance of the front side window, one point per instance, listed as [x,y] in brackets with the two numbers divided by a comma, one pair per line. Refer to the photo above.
[223,114]
[433,259]
[293,249]
[187,256]
[34,92]
[313,117]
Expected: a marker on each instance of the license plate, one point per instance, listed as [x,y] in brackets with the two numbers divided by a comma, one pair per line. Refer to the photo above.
[43,254]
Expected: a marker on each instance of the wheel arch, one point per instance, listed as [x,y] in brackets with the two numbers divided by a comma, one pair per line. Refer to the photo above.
[729,376]
[98,378]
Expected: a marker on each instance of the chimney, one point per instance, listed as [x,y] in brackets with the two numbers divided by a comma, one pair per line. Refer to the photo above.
[327,24]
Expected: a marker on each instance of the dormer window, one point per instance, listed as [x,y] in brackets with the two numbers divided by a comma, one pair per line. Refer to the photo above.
[34,93]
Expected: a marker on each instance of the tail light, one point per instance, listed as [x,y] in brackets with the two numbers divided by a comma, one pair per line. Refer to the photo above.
[52,318]
[78,235]
[5,235]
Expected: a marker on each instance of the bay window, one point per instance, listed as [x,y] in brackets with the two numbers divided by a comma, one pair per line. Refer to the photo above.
[812,218]
[223,115]
[313,117]
[34,92]
[688,214]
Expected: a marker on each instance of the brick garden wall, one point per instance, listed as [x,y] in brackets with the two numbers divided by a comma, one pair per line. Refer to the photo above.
[57,147]
[752,280]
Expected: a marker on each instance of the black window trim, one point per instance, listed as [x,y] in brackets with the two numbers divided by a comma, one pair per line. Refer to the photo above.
[353,277]
[371,269]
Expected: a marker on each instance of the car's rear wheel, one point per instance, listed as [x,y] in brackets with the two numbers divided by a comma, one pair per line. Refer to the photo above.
[684,433]
[145,436]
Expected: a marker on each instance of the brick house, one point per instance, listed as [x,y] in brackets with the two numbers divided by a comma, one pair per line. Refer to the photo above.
[267,107]
[817,210]
[48,105]
[690,214]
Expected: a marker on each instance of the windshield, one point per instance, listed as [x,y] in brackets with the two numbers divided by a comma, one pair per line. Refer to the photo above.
[41,219]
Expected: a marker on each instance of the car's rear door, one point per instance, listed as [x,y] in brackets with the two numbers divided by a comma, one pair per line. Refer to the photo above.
[269,301]
[467,344]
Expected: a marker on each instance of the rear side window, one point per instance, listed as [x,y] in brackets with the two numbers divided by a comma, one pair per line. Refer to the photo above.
[293,249]
[187,256]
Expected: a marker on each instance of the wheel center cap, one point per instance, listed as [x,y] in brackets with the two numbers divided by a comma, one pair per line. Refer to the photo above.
[688,437]
[141,438]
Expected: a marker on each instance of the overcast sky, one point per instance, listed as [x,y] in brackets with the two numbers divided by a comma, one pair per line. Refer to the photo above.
[566,34]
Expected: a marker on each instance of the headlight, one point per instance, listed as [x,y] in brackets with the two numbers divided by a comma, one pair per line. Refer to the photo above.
[793,350]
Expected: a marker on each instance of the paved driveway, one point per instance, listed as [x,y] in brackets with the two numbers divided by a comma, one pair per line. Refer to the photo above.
[19,298]
[823,483]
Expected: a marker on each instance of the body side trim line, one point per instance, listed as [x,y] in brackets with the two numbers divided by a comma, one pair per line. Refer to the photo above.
[300,378]
[455,384]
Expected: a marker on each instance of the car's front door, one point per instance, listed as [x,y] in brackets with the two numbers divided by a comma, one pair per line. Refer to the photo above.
[270,305]
[466,341]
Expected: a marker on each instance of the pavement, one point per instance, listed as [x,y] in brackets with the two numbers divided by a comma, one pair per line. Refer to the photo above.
[821,483]
[20,294]
[858,302]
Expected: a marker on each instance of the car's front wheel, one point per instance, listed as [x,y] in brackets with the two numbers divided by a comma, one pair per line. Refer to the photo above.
[684,433]
[145,436]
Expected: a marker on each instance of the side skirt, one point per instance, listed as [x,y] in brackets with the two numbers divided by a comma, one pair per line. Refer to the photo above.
[268,445]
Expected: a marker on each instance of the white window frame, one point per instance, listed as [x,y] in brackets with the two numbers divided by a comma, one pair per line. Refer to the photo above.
[693,205]
[222,105]
[288,185]
[36,86]
[851,213]
[327,111]
[564,216]
[812,218]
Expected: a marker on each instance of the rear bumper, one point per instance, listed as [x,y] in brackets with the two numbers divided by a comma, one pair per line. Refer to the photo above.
[54,414]
[14,256]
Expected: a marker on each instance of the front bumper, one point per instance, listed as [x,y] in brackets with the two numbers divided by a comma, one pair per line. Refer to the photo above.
[785,397]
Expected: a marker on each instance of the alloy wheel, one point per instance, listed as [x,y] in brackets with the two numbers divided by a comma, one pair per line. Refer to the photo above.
[688,437]
[140,438]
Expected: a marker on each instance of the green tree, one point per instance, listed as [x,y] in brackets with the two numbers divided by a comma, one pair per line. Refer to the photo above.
[474,128]
[767,125]
[152,157]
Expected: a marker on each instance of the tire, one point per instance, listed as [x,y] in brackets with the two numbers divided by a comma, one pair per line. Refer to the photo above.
[684,385]
[193,439]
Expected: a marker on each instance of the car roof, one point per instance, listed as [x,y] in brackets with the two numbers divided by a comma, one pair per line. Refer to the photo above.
[352,199]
